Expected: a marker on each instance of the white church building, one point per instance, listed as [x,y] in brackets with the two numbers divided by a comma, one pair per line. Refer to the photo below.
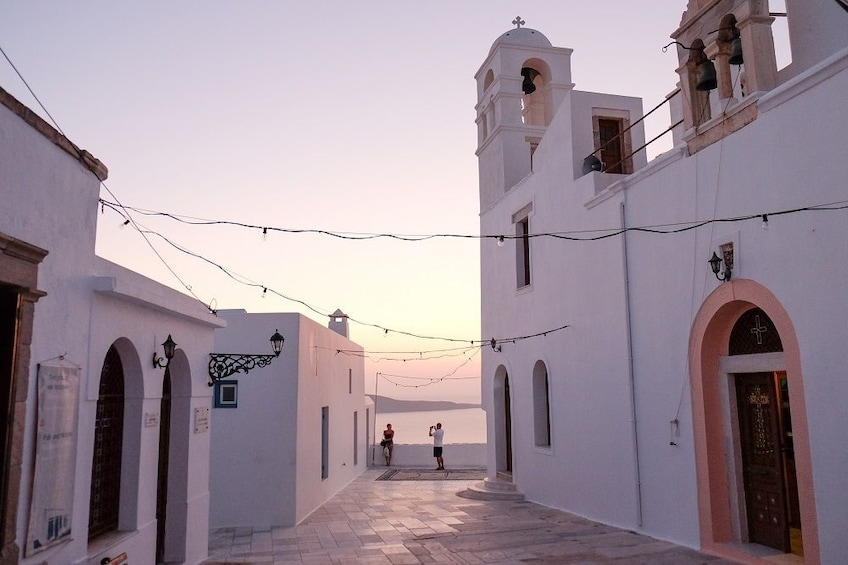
[701,407]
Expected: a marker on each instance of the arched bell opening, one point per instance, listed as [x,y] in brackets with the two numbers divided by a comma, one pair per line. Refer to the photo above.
[729,59]
[702,79]
[536,100]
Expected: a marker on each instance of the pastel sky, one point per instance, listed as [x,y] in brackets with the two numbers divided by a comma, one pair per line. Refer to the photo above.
[350,117]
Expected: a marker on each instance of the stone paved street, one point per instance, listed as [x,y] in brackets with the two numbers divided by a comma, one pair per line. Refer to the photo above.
[400,522]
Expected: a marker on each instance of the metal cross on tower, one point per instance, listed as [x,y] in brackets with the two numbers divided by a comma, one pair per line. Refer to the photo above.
[518,22]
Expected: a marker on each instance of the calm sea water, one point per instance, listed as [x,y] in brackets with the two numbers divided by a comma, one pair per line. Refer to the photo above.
[467,425]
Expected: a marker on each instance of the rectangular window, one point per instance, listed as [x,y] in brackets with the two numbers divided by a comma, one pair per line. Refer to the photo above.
[226,394]
[522,252]
[366,438]
[350,381]
[325,442]
[355,437]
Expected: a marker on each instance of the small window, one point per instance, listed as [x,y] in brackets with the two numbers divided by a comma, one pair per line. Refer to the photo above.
[226,394]
[522,252]
[541,406]
[350,381]
[355,438]
[325,442]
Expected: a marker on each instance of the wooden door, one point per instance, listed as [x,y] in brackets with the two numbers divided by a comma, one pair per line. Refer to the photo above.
[610,142]
[508,425]
[164,457]
[762,460]
[8,331]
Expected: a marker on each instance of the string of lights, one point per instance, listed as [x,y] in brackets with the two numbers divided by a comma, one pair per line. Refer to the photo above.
[419,356]
[572,235]
[430,380]
[269,290]
[125,213]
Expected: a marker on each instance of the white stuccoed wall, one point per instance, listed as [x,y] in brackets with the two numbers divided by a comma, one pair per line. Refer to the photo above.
[274,436]
[50,200]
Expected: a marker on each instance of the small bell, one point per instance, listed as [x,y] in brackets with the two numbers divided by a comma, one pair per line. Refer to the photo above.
[592,163]
[736,52]
[706,76]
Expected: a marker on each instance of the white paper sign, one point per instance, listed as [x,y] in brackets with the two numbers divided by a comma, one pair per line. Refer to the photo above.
[51,508]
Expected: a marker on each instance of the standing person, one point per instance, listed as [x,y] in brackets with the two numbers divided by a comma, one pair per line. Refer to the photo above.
[438,434]
[388,443]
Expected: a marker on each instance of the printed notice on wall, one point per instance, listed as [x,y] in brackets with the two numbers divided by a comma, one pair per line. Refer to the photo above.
[55,446]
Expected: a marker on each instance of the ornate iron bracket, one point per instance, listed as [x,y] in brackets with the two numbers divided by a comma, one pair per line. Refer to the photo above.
[222,365]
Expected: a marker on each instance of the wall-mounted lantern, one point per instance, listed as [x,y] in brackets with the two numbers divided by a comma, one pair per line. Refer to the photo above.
[222,365]
[170,348]
[715,265]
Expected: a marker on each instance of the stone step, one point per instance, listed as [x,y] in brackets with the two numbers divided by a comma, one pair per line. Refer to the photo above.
[492,490]
[499,485]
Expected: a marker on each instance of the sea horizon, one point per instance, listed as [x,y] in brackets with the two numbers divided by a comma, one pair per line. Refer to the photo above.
[463,425]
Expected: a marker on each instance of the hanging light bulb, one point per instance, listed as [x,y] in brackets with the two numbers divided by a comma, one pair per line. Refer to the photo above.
[264,292]
[765,221]
[500,241]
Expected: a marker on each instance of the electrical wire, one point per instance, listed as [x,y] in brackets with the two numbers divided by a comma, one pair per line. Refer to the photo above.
[431,380]
[603,233]
[268,289]
[80,155]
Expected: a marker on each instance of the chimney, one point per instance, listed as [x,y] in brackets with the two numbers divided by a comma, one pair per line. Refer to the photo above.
[338,323]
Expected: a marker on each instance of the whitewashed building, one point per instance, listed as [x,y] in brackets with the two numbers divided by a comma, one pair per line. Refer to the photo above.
[290,435]
[703,411]
[106,452]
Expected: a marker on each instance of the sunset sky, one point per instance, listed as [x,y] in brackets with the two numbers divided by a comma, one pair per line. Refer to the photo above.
[349,117]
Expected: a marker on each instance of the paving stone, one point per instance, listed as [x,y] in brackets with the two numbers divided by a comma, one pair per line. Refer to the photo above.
[399,523]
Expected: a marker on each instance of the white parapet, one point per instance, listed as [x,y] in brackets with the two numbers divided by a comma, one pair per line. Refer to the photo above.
[421,455]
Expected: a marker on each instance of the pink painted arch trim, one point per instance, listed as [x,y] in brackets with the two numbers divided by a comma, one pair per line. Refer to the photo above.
[708,342]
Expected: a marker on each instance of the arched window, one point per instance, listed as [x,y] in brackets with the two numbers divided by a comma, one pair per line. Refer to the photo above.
[104,504]
[541,406]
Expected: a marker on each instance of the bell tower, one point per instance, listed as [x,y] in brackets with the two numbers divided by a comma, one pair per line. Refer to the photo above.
[520,85]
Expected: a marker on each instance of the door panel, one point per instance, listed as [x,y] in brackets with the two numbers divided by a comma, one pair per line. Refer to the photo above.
[762,460]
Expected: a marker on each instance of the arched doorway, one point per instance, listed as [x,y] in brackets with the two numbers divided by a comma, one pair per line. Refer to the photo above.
[105,499]
[747,397]
[162,475]
[503,422]
[766,446]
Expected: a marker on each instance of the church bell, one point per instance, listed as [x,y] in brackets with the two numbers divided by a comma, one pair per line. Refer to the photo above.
[527,85]
[736,52]
[706,76]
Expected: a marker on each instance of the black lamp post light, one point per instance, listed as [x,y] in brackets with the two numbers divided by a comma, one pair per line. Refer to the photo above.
[170,346]
[715,265]
[222,365]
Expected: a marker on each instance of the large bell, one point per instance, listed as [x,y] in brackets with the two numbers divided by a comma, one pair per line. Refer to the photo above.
[706,76]
[736,52]
[527,85]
